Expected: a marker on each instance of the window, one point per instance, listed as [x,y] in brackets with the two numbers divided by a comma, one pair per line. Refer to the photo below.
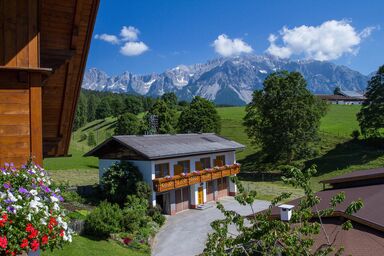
[205,162]
[220,160]
[161,170]
[185,166]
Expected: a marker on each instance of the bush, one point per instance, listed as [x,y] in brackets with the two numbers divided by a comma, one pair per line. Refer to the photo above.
[135,214]
[119,181]
[104,220]
[91,139]
[355,134]
[155,214]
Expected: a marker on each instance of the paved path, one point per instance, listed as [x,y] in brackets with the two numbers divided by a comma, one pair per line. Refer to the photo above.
[185,233]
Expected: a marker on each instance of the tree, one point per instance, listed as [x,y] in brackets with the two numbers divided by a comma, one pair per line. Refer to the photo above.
[81,113]
[199,116]
[91,108]
[103,109]
[91,139]
[117,106]
[371,115]
[260,234]
[120,180]
[133,105]
[127,124]
[162,116]
[337,90]
[170,98]
[284,117]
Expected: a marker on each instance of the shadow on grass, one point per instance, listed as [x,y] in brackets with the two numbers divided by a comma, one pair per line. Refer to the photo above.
[93,166]
[107,125]
[91,126]
[343,155]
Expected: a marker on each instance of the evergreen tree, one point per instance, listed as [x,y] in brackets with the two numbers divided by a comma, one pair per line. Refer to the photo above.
[337,90]
[117,106]
[200,116]
[81,113]
[103,109]
[163,116]
[127,124]
[284,117]
[170,98]
[91,108]
[371,115]
[133,105]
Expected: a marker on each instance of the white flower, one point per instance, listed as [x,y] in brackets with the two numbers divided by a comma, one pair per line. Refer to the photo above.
[12,197]
[33,192]
[56,207]
[54,199]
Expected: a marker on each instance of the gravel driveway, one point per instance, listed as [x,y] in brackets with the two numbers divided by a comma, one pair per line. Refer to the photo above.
[185,233]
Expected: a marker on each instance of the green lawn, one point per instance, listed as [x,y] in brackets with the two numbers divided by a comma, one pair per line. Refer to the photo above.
[338,153]
[82,246]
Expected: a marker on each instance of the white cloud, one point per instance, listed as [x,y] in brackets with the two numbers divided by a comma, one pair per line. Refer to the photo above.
[328,41]
[129,33]
[133,48]
[108,38]
[228,47]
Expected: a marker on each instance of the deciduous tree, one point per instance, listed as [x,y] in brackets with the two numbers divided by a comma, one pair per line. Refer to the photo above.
[127,124]
[371,115]
[162,116]
[199,116]
[284,117]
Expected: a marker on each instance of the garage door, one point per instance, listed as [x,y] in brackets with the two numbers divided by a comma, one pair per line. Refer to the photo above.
[182,199]
[210,196]
[222,186]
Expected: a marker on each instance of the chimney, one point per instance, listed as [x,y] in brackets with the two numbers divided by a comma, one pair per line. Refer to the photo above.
[286,211]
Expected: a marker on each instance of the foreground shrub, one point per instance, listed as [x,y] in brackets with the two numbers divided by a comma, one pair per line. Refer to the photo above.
[31,217]
[135,215]
[155,214]
[104,220]
[119,181]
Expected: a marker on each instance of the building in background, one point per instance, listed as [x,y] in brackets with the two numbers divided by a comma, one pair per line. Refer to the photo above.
[184,170]
[344,98]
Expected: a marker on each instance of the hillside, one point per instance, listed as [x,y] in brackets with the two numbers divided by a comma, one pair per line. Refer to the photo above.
[338,154]
[228,81]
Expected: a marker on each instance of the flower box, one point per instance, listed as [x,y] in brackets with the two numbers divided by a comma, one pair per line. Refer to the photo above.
[207,176]
[216,175]
[181,182]
[194,179]
[226,172]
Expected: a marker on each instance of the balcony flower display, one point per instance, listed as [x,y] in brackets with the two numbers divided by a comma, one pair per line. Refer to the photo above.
[31,217]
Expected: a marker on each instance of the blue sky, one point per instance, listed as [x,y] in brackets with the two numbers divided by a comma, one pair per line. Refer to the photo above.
[163,34]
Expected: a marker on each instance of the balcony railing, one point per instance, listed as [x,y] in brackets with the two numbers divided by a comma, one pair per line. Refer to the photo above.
[183,180]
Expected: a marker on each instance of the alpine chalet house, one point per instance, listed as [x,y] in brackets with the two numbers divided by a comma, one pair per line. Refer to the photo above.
[43,50]
[184,170]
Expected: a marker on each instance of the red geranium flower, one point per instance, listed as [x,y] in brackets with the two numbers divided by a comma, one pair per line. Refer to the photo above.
[29,228]
[127,240]
[62,233]
[24,243]
[44,240]
[35,245]
[33,234]
[3,242]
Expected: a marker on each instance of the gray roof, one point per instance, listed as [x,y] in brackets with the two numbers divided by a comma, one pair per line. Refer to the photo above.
[353,94]
[167,146]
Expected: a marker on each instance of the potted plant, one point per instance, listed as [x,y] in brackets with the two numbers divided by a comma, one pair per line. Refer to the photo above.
[31,217]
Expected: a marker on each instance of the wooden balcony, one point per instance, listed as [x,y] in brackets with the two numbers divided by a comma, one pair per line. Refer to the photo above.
[183,180]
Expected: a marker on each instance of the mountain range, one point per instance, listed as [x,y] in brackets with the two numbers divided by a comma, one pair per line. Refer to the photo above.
[226,80]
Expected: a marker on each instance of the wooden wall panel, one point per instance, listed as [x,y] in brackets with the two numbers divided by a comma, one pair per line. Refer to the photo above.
[14,126]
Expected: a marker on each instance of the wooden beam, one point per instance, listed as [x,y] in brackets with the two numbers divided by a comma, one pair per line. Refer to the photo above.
[36,119]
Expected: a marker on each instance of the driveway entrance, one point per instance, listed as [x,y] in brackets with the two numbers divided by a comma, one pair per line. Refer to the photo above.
[185,233]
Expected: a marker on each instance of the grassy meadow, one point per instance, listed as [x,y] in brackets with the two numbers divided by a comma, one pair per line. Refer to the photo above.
[338,153]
